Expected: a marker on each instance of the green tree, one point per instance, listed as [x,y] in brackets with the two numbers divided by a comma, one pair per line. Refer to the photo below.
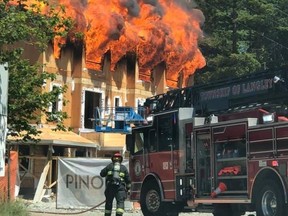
[243,36]
[27,103]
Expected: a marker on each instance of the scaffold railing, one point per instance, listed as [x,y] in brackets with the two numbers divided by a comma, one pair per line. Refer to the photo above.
[118,119]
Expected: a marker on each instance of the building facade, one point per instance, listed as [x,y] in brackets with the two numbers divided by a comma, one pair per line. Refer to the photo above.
[88,89]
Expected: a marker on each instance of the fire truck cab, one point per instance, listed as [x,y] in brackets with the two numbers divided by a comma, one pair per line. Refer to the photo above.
[220,148]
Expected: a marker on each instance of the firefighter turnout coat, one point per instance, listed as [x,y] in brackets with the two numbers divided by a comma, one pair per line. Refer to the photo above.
[117,184]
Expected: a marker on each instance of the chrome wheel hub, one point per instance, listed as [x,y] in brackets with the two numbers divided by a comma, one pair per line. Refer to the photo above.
[269,203]
[153,201]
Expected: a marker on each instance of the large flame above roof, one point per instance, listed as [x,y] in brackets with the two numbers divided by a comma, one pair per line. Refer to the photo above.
[156,31]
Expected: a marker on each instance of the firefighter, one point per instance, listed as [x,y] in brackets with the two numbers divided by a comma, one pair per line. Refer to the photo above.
[117,184]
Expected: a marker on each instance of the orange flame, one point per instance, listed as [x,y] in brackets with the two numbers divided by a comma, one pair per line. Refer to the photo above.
[156,31]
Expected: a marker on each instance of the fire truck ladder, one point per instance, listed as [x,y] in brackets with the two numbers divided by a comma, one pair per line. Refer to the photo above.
[118,119]
[170,100]
[269,86]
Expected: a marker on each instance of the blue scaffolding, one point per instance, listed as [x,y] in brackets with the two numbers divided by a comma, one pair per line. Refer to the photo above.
[118,119]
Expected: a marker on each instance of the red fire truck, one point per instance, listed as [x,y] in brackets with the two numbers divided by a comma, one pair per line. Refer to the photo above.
[221,148]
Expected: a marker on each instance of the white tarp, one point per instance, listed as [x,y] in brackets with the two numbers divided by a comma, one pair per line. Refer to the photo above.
[79,182]
[3,115]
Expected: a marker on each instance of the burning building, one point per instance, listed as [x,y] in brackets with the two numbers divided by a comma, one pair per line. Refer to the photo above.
[156,32]
[118,53]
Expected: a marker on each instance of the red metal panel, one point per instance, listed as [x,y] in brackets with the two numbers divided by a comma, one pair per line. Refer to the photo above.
[282,132]
[282,140]
[158,162]
[263,134]
[169,195]
[189,128]
[261,149]
[161,164]
[229,132]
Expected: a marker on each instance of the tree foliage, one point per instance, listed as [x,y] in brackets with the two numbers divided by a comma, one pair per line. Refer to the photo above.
[243,36]
[27,102]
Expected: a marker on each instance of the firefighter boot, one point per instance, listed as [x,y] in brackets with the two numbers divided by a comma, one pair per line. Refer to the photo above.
[108,212]
[119,211]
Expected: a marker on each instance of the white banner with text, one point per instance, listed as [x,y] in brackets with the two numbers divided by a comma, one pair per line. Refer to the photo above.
[3,115]
[79,182]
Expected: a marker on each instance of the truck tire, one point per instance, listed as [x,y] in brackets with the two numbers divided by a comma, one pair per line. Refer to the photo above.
[150,201]
[174,209]
[226,210]
[270,200]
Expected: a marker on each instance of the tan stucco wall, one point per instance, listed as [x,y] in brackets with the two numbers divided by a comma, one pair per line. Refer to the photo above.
[123,82]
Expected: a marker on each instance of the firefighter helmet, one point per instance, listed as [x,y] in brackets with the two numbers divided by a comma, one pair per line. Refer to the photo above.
[117,157]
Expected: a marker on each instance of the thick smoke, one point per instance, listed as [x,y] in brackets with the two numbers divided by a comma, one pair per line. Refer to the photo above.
[151,2]
[132,6]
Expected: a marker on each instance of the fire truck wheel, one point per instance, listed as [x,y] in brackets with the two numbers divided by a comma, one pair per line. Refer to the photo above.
[270,200]
[150,201]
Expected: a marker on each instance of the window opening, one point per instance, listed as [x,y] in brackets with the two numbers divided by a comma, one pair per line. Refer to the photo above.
[116,101]
[92,100]
[56,106]
[107,104]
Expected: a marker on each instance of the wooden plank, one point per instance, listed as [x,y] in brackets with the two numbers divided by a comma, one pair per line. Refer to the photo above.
[26,171]
[54,183]
[40,187]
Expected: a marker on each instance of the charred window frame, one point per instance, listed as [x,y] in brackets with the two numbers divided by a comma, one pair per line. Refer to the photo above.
[92,100]
[117,101]
[57,105]
[107,105]
[140,107]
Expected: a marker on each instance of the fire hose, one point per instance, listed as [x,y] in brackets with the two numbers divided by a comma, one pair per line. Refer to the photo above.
[70,213]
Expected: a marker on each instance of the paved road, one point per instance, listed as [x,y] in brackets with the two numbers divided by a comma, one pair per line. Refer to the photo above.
[101,213]
[48,208]
[134,213]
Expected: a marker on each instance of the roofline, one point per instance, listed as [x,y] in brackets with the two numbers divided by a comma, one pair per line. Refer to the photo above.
[111,148]
[58,143]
